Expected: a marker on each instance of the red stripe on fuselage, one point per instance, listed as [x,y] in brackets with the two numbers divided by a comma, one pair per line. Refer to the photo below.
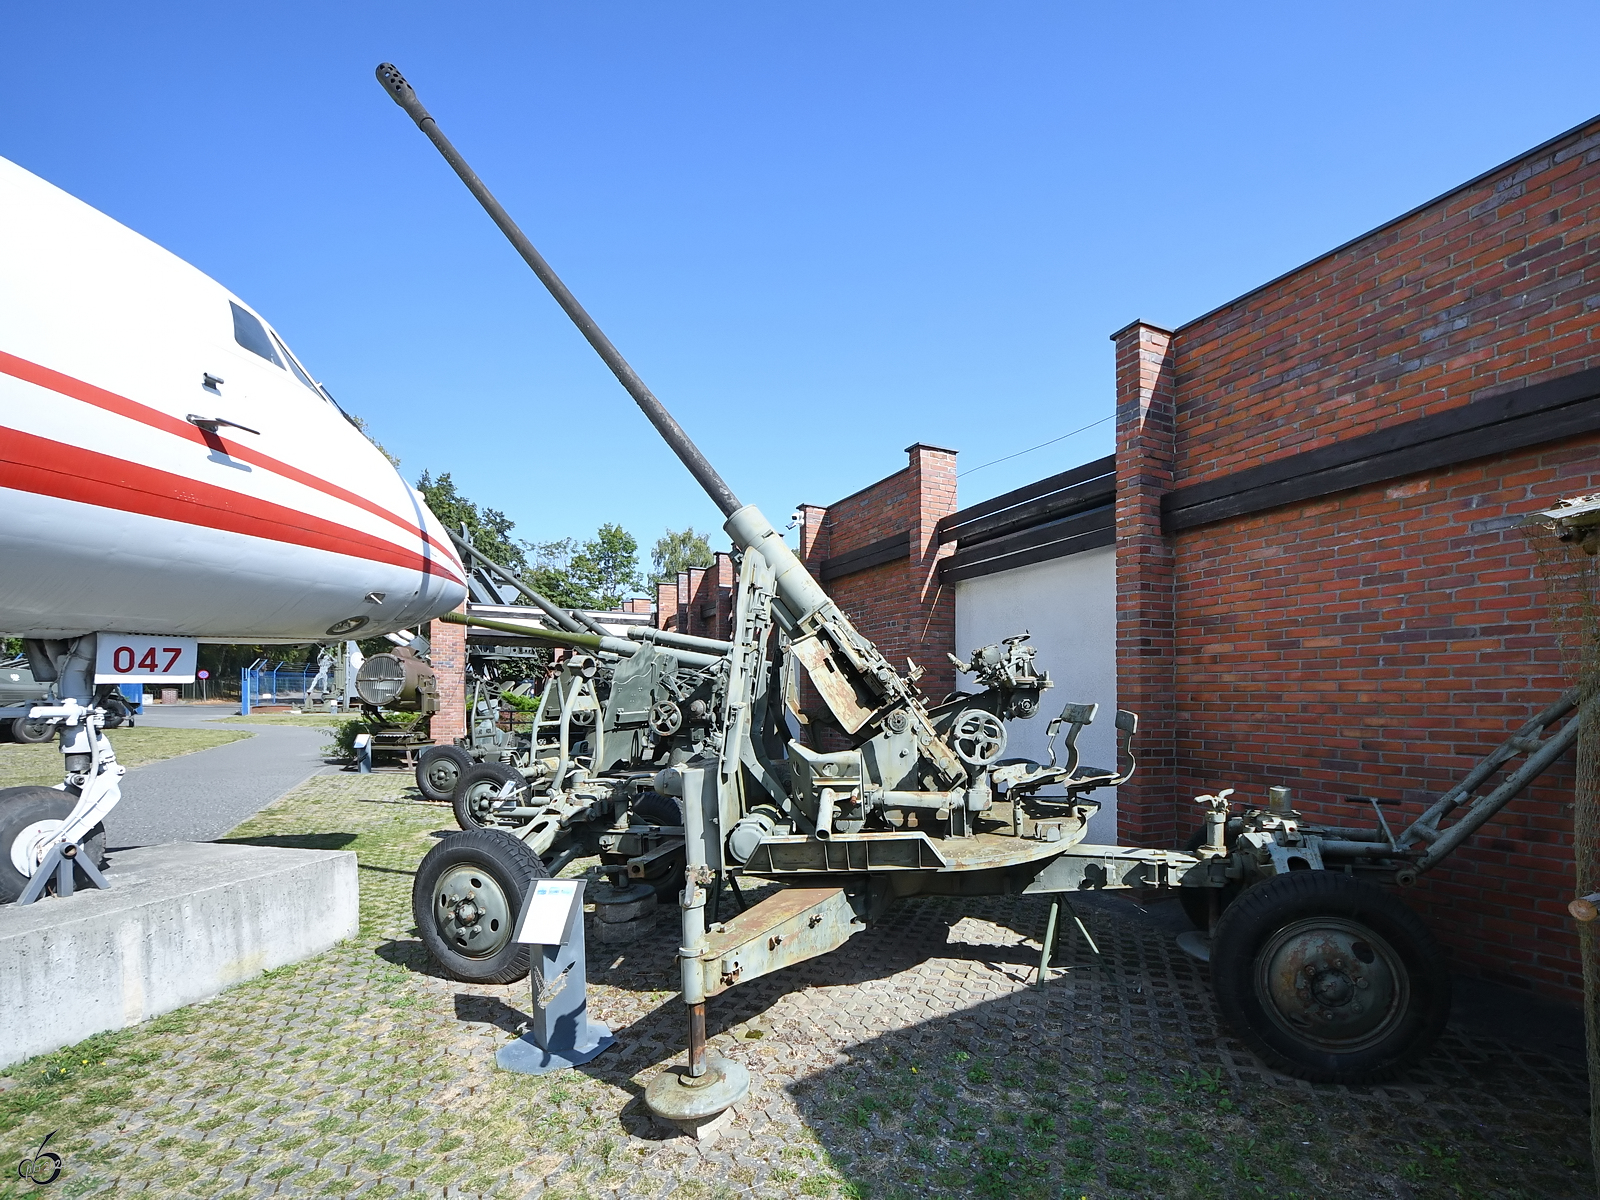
[77,389]
[29,463]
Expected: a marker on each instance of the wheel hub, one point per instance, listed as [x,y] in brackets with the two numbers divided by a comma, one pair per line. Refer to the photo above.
[25,847]
[1332,982]
[1333,988]
[484,799]
[472,913]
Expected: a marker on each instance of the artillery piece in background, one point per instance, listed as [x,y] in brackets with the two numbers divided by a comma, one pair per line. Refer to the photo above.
[398,681]
[658,744]
[494,745]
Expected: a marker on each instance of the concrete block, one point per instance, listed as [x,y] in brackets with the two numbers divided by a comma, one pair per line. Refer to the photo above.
[180,923]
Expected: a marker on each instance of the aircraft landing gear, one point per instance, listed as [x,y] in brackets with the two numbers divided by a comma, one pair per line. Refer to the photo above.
[56,836]
[31,817]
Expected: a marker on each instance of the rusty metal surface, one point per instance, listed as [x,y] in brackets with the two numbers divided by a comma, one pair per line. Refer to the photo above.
[786,928]
[832,684]
[1332,982]
[1091,868]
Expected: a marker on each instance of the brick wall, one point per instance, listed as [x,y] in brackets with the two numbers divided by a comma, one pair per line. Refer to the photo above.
[1380,640]
[700,600]
[900,605]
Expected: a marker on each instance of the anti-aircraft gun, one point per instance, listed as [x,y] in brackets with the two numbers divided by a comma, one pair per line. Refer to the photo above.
[919,800]
[496,744]
[1322,973]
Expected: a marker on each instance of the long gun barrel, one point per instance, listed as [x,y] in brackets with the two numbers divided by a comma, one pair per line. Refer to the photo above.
[809,609]
[395,84]
[560,616]
[802,595]
[593,642]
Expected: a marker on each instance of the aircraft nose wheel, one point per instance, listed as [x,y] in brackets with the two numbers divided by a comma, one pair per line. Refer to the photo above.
[29,815]
[1329,978]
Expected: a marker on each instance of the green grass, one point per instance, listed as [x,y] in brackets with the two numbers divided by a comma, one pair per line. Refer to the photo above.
[143,744]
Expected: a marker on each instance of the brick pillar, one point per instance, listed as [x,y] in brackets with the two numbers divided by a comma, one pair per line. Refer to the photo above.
[694,622]
[449,658]
[723,573]
[667,604]
[1146,651]
[932,615]
[813,535]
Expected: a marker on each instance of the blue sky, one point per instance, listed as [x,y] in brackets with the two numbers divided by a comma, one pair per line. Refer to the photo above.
[820,232]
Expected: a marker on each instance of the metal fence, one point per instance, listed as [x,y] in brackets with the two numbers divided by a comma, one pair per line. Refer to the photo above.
[264,682]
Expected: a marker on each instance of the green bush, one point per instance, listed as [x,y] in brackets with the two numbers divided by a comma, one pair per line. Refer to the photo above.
[519,702]
[344,733]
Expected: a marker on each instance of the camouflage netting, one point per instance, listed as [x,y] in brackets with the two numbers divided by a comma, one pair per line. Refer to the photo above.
[1571,571]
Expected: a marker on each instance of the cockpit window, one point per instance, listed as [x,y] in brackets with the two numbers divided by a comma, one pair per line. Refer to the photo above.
[295,367]
[252,335]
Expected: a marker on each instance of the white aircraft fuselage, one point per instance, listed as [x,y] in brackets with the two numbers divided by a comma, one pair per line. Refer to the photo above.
[125,506]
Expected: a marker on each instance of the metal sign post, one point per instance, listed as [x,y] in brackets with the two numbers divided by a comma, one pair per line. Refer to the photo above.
[562,1034]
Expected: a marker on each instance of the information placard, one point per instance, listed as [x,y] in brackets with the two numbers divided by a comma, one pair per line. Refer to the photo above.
[547,917]
[136,658]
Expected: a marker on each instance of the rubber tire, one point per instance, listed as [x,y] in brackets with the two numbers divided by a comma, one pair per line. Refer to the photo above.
[1196,904]
[512,865]
[492,775]
[32,733]
[1249,925]
[433,754]
[21,807]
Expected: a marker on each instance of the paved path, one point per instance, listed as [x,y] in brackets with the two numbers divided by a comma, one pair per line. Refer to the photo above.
[199,797]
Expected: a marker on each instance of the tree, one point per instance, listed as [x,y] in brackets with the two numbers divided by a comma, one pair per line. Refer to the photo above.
[608,566]
[367,433]
[598,574]
[678,550]
[551,573]
[488,529]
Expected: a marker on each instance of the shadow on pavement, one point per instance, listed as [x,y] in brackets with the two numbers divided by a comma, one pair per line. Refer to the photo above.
[295,841]
[957,1076]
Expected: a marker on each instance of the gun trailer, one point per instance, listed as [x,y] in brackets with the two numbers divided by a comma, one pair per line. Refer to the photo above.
[681,764]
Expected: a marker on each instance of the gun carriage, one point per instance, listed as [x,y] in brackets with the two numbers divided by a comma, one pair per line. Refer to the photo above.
[658,748]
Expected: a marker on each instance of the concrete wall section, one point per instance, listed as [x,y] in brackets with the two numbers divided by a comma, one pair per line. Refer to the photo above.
[1069,607]
[180,923]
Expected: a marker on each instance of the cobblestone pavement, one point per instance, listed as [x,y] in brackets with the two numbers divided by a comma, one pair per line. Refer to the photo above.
[915,1061]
